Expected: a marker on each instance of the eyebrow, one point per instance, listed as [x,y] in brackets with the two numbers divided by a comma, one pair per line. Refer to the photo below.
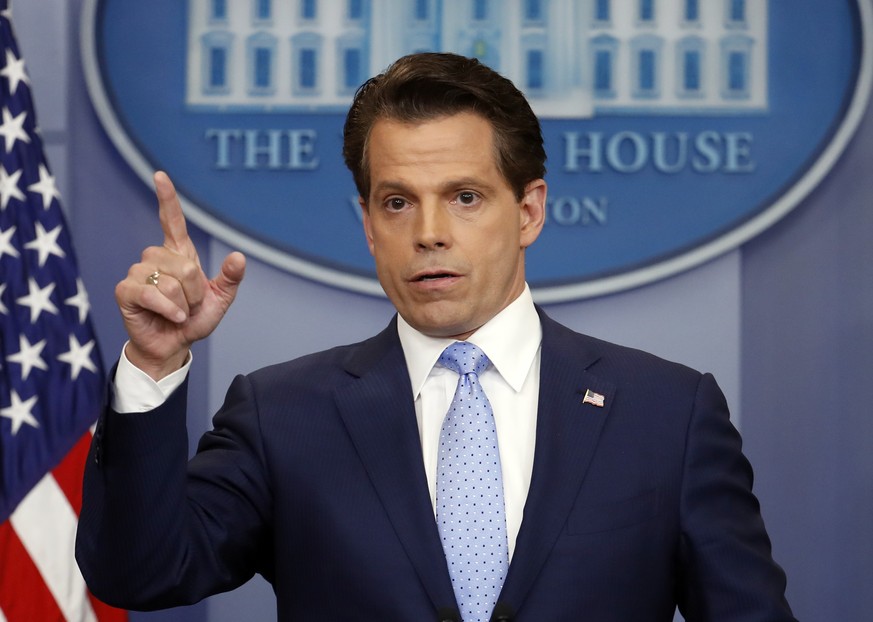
[452,184]
[390,187]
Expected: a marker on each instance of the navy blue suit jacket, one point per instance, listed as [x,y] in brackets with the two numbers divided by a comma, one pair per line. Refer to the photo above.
[313,477]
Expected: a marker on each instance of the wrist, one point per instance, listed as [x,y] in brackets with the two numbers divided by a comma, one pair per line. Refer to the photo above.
[156,368]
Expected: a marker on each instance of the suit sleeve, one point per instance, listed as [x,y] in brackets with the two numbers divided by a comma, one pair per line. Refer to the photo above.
[157,531]
[727,571]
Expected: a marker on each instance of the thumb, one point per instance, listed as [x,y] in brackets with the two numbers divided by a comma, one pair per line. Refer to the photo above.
[228,280]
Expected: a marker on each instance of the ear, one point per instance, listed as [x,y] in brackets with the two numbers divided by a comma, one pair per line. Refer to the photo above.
[368,226]
[533,211]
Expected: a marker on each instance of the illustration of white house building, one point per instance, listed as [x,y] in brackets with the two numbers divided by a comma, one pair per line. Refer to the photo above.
[572,58]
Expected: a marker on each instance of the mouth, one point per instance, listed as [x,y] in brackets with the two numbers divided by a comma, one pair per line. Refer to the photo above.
[434,276]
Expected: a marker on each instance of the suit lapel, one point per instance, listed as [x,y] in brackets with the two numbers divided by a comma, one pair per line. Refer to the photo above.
[568,430]
[378,411]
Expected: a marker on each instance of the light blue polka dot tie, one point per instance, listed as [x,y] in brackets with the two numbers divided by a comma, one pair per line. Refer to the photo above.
[469,497]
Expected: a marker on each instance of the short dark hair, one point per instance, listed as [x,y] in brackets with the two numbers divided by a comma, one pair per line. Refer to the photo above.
[428,85]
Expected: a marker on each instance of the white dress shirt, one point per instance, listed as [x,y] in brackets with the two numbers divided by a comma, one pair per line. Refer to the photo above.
[511,340]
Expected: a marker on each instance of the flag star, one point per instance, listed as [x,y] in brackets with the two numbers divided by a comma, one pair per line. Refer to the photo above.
[12,129]
[3,308]
[6,246]
[14,71]
[45,187]
[28,356]
[78,357]
[19,412]
[38,299]
[80,301]
[46,243]
[9,186]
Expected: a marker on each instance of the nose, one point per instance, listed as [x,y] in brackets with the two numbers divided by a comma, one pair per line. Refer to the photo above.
[432,227]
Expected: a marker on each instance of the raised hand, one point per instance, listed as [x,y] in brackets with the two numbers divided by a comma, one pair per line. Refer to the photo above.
[167,302]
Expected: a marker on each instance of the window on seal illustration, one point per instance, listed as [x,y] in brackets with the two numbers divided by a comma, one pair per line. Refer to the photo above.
[421,10]
[736,12]
[603,53]
[308,68]
[218,10]
[263,10]
[602,10]
[217,68]
[216,59]
[736,67]
[263,67]
[535,66]
[646,72]
[646,11]
[603,72]
[691,11]
[737,74]
[355,10]
[261,64]
[534,12]
[352,69]
[480,10]
[305,62]
[690,67]
[308,9]
[691,71]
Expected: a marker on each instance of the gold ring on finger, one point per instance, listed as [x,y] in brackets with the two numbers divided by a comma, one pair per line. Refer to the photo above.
[152,279]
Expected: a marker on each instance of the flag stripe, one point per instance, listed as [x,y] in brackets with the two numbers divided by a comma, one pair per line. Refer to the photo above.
[68,474]
[46,525]
[24,596]
[52,381]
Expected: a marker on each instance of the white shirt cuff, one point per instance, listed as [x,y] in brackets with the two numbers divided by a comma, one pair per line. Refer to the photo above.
[135,391]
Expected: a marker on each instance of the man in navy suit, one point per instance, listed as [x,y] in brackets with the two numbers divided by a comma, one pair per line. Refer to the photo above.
[626,492]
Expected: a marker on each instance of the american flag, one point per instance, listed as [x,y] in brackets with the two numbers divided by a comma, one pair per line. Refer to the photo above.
[51,377]
[595,399]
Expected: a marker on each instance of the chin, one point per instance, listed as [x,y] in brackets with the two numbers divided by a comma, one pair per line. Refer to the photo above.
[439,328]
[459,330]
[440,319]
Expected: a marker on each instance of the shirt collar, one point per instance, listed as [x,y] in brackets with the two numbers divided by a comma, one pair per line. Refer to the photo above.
[510,340]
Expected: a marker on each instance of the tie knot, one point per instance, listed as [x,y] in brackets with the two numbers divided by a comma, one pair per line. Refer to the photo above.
[463,357]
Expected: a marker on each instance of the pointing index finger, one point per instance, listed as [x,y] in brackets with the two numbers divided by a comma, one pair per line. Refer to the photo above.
[172,219]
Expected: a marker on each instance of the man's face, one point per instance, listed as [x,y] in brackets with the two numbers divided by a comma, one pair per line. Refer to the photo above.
[444,225]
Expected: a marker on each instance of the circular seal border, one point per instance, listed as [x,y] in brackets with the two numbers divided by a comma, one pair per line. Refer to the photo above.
[549,294]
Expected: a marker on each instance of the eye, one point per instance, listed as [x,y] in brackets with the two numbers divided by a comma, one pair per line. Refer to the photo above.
[395,204]
[467,198]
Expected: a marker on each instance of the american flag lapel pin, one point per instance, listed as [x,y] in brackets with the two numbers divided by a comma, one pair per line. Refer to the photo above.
[595,399]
